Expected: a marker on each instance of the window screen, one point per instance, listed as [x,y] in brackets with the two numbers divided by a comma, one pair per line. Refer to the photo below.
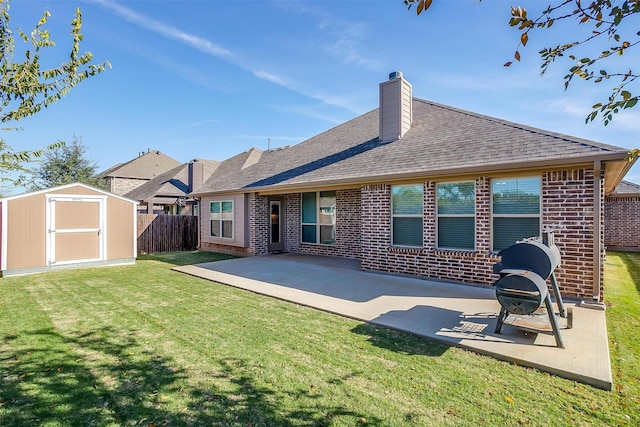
[456,215]
[406,210]
[319,217]
[516,210]
[221,219]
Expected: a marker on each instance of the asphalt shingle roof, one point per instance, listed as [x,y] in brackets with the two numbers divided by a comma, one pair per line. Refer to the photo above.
[173,183]
[442,139]
[626,188]
[147,166]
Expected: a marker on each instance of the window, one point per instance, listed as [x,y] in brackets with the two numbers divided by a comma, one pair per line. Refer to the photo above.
[516,210]
[221,215]
[406,215]
[456,215]
[319,217]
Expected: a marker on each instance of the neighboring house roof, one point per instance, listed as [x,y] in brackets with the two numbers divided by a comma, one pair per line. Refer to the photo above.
[146,166]
[625,189]
[172,183]
[442,141]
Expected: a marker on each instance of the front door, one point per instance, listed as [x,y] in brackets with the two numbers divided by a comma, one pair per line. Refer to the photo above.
[276,229]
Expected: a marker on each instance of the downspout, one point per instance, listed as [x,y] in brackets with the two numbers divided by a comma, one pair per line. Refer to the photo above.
[597,228]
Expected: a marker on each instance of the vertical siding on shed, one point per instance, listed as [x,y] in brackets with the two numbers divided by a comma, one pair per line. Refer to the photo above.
[120,229]
[26,232]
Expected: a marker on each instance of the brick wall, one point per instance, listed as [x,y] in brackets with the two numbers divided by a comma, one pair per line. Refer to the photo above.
[122,186]
[473,267]
[259,220]
[622,222]
[567,208]
[224,249]
[292,223]
[347,243]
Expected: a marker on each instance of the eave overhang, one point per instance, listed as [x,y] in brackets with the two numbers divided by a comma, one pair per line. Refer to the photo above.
[616,165]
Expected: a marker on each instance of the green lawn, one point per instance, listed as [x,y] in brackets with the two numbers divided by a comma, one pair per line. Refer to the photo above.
[142,345]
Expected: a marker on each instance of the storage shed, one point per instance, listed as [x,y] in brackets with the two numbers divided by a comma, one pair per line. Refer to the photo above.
[73,225]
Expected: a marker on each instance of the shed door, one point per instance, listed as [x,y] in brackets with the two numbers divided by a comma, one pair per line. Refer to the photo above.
[75,227]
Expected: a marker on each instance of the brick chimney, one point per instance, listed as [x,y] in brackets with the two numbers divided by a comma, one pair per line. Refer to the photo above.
[396,112]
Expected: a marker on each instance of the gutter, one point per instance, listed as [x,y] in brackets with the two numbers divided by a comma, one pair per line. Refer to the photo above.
[597,228]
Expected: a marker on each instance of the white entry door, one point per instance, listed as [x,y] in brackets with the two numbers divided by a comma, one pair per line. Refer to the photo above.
[75,229]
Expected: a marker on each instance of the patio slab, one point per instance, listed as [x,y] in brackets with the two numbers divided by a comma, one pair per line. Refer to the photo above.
[459,315]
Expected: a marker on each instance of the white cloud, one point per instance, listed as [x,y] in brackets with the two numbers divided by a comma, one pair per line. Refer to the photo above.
[345,38]
[164,30]
[578,108]
[348,37]
[628,119]
[215,50]
[280,81]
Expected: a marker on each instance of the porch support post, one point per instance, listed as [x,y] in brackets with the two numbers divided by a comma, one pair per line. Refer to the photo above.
[597,228]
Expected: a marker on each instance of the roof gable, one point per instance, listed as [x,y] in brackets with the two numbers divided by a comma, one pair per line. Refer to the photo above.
[147,166]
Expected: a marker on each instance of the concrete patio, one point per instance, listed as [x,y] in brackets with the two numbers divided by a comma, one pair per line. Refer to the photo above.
[458,315]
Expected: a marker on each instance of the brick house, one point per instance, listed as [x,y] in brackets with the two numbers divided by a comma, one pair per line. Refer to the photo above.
[622,217]
[418,188]
[124,177]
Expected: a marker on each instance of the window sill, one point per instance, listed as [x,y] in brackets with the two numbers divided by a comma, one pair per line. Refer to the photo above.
[318,244]
[406,249]
[458,253]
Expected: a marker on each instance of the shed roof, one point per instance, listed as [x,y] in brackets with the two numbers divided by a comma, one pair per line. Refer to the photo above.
[442,141]
[64,187]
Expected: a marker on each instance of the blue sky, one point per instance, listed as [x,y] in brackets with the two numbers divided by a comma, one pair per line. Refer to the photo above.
[210,79]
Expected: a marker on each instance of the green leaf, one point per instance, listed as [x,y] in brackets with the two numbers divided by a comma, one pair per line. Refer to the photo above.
[625,94]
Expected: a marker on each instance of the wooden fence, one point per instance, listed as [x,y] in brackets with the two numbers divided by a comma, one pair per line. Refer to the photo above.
[167,233]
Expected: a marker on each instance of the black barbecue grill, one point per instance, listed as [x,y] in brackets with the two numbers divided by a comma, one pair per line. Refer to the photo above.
[524,269]
[521,292]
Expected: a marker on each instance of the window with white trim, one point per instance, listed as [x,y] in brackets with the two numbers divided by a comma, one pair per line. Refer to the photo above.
[319,217]
[221,217]
[456,208]
[515,208]
[407,207]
